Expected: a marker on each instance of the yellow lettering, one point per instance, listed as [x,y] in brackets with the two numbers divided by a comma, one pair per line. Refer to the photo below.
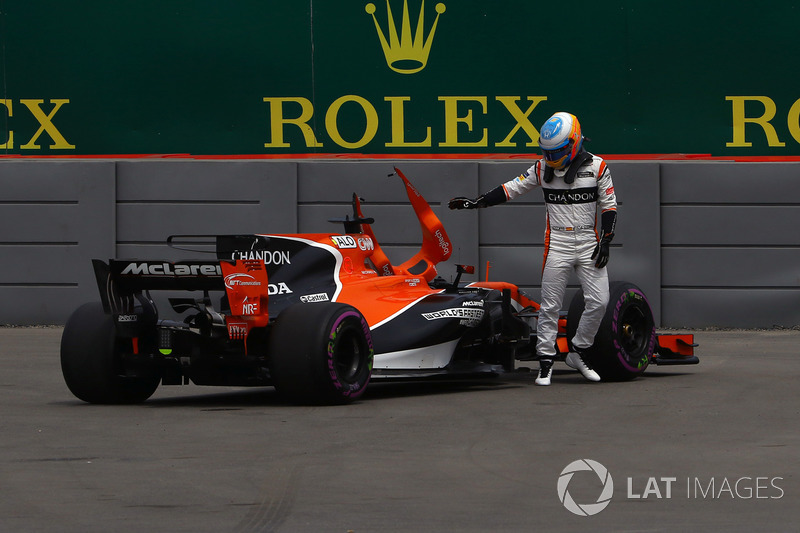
[510,103]
[452,119]
[794,120]
[398,125]
[333,129]
[46,125]
[9,144]
[277,121]
[739,120]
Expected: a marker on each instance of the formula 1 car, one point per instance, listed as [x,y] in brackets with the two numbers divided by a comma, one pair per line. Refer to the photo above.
[319,315]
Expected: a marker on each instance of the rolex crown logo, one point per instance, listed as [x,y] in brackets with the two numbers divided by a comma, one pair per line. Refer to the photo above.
[406,54]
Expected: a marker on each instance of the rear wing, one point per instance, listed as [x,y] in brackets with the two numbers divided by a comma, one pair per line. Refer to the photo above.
[119,280]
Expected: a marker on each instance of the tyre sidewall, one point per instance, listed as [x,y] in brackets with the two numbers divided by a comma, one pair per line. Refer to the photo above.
[87,339]
[608,355]
[623,297]
[305,346]
[348,323]
[90,362]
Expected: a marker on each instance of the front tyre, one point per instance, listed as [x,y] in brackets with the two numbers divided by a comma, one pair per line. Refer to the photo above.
[91,361]
[321,353]
[626,338]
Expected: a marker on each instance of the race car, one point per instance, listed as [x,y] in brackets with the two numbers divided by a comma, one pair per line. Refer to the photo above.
[319,315]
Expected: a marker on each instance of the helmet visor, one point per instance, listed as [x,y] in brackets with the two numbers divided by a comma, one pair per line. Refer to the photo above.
[557,157]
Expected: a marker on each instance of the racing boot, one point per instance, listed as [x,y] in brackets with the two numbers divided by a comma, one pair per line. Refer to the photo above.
[545,372]
[577,361]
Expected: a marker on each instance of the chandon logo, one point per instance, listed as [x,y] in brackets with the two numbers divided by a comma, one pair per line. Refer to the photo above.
[574,196]
[273,257]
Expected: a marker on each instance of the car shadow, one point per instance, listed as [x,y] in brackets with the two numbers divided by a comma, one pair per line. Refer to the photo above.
[230,399]
[376,391]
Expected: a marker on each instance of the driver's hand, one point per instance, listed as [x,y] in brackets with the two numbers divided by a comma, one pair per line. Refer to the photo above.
[461,202]
[601,252]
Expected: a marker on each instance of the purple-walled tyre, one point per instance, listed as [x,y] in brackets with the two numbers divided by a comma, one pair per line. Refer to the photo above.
[320,353]
[626,338]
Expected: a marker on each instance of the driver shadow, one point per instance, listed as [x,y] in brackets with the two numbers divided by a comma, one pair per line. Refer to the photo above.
[404,389]
[570,376]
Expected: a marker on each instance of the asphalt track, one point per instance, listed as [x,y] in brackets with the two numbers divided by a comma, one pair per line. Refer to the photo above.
[712,447]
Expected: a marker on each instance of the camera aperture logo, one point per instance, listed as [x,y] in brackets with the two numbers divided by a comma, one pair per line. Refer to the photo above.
[586,509]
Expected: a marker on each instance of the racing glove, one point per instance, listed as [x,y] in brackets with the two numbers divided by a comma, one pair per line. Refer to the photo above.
[601,251]
[493,197]
[461,202]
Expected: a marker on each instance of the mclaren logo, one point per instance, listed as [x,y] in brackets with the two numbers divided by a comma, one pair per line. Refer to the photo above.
[406,54]
[171,269]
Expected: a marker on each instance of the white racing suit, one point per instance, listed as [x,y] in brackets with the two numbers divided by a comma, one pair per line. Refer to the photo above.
[569,241]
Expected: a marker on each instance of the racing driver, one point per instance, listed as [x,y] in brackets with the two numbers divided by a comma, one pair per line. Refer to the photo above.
[573,183]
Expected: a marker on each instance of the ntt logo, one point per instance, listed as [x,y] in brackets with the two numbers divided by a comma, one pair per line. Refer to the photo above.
[586,509]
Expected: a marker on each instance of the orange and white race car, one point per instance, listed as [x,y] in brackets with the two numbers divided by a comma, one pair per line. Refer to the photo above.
[319,315]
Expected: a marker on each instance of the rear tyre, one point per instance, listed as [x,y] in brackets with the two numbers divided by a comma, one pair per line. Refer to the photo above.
[626,338]
[321,353]
[91,362]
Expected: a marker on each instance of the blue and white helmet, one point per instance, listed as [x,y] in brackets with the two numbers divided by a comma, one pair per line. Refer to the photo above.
[560,140]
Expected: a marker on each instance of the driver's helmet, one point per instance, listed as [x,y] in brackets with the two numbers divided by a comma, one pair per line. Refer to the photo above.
[560,140]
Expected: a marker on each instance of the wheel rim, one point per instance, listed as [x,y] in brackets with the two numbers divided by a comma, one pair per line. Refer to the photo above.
[347,355]
[633,332]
